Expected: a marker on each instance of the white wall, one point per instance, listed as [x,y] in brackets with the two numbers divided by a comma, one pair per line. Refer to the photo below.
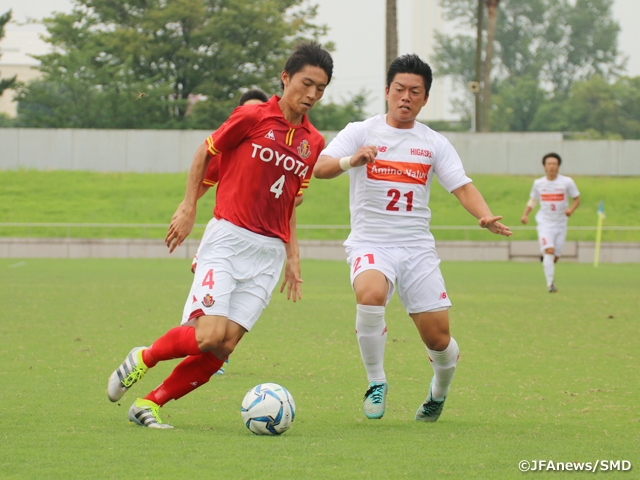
[172,150]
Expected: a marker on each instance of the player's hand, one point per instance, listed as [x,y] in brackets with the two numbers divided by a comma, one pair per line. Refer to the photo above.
[181,224]
[568,212]
[292,279]
[524,219]
[364,155]
[494,226]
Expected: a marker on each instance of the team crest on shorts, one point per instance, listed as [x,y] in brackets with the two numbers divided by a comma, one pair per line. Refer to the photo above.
[304,150]
[208,300]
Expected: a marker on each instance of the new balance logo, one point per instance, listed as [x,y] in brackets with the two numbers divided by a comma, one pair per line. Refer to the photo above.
[270,135]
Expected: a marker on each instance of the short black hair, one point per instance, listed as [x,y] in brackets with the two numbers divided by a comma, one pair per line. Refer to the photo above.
[253,94]
[309,53]
[552,155]
[411,63]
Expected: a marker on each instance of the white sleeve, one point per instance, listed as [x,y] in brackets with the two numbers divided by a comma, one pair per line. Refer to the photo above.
[535,194]
[448,167]
[347,142]
[573,189]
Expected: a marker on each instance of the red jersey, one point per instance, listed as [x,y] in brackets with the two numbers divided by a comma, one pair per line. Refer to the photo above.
[266,162]
[213,174]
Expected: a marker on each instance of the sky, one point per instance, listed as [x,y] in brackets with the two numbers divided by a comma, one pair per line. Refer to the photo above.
[357,27]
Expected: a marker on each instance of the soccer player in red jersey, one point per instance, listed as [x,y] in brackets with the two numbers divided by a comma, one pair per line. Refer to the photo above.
[250,97]
[269,151]
[254,96]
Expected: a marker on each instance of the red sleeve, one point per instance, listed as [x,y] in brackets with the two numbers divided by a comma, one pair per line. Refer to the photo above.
[213,172]
[234,130]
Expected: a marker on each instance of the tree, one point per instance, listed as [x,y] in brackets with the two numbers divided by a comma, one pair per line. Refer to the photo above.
[333,116]
[554,42]
[516,104]
[133,64]
[391,37]
[5,83]
[596,107]
[478,62]
[627,93]
[492,10]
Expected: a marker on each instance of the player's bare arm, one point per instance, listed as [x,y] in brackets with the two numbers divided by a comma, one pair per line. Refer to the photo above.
[473,201]
[292,280]
[530,206]
[185,216]
[203,189]
[330,167]
[575,204]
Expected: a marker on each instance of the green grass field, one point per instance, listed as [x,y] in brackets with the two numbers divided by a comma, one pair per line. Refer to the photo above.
[29,196]
[541,376]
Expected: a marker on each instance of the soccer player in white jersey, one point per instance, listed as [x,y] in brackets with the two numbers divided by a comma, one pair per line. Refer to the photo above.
[553,192]
[391,161]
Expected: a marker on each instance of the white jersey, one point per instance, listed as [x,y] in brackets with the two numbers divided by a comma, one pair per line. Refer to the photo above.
[553,196]
[389,199]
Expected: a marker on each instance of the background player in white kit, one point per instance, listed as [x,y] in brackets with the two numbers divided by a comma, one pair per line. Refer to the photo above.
[391,160]
[553,192]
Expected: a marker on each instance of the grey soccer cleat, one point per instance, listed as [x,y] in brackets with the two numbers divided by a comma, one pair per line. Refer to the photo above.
[145,414]
[131,370]
[431,409]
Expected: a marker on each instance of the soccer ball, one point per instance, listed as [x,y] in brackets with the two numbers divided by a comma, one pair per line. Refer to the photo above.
[268,409]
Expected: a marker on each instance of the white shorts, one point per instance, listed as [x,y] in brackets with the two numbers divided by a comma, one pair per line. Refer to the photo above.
[552,237]
[415,271]
[236,274]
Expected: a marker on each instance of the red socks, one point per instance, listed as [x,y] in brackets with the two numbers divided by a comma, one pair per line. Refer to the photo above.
[188,375]
[178,342]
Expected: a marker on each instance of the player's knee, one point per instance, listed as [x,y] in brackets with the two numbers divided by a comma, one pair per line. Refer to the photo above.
[372,296]
[549,250]
[209,337]
[225,348]
[373,300]
[209,343]
[438,342]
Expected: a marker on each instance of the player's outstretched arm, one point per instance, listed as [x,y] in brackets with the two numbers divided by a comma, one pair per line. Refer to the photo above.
[292,279]
[472,200]
[331,167]
[185,216]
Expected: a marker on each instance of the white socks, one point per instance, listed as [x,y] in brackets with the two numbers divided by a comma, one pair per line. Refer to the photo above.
[371,331]
[549,267]
[444,366]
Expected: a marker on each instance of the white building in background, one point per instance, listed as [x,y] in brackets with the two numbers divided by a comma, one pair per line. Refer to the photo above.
[15,50]
[427,18]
